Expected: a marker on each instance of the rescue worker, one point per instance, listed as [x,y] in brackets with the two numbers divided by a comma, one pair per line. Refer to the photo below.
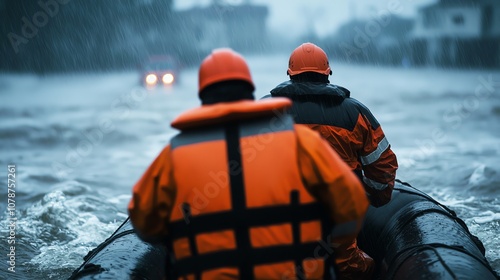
[349,127]
[347,124]
[243,192]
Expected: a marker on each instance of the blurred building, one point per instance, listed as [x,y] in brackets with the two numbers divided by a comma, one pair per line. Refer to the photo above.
[382,41]
[458,33]
[241,27]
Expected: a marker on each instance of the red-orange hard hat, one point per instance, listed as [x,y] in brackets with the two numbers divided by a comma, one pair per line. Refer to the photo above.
[308,58]
[223,65]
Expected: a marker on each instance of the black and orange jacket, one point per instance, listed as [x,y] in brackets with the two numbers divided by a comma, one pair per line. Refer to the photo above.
[350,128]
[243,192]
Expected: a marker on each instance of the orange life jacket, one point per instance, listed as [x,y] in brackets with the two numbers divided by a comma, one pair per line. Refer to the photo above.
[241,209]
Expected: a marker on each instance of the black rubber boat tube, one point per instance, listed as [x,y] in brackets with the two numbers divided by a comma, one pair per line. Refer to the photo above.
[123,256]
[415,237]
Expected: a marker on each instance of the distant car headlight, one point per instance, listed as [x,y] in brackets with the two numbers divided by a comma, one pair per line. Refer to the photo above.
[151,79]
[168,78]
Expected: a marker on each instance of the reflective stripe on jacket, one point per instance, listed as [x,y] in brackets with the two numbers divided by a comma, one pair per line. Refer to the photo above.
[240,199]
[350,128]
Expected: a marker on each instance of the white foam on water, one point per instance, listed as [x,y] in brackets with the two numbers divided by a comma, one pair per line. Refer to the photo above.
[120,199]
[63,232]
[485,176]
[477,176]
[458,203]
[487,217]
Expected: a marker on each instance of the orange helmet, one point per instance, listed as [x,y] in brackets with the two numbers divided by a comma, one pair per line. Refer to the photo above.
[308,58]
[223,65]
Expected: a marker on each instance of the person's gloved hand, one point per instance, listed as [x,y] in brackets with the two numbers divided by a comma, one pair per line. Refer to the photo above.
[352,263]
[375,201]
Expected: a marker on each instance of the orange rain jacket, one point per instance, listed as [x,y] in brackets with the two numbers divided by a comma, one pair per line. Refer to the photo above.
[350,128]
[235,195]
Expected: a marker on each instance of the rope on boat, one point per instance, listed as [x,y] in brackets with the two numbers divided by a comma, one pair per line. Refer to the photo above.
[90,267]
[413,250]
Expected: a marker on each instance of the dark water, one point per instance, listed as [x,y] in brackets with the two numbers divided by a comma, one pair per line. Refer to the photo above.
[79,143]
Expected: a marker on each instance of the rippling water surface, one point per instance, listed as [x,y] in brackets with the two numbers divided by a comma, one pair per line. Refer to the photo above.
[79,143]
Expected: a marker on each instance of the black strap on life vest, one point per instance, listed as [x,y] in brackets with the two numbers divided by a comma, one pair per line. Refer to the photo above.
[238,199]
[241,219]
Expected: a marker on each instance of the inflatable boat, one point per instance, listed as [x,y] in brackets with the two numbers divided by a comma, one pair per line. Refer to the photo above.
[413,237]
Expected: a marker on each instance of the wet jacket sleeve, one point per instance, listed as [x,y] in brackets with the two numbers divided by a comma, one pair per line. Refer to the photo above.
[333,183]
[379,163]
[152,200]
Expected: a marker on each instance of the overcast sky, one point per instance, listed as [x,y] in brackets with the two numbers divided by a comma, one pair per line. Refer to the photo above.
[293,17]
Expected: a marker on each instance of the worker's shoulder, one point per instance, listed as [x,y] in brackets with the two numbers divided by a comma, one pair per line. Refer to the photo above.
[304,129]
[306,135]
[353,104]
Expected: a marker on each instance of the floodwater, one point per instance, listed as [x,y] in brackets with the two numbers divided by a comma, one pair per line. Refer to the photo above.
[80,142]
